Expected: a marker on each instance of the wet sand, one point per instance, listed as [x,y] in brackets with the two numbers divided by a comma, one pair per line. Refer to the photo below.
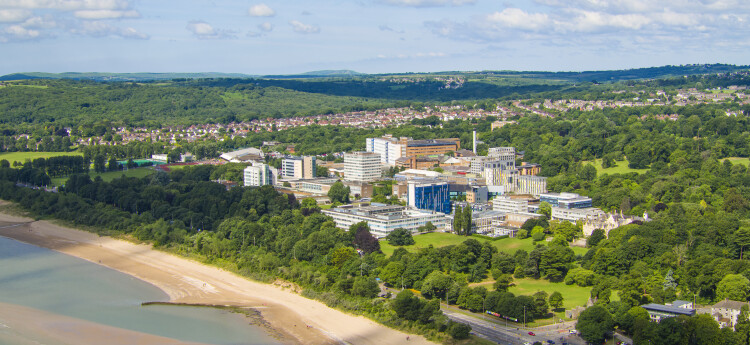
[22,325]
[290,317]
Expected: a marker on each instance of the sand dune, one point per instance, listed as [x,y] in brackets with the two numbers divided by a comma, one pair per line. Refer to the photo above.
[294,318]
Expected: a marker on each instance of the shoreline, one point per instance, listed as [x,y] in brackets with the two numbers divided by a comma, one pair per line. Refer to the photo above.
[289,316]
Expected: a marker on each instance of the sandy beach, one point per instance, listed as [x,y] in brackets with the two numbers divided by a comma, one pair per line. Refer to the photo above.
[294,319]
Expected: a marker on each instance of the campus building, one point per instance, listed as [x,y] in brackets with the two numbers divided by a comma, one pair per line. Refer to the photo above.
[258,174]
[390,149]
[362,166]
[566,200]
[298,167]
[382,219]
[429,195]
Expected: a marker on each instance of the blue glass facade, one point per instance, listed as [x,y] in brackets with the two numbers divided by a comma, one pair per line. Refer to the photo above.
[434,197]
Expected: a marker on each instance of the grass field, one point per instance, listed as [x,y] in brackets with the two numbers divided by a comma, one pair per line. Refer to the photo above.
[620,168]
[23,156]
[442,239]
[737,160]
[573,295]
[109,176]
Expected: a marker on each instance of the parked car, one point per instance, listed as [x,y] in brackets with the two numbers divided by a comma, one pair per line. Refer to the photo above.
[531,333]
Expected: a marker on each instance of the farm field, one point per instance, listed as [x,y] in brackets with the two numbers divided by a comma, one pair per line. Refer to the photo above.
[110,175]
[23,156]
[621,167]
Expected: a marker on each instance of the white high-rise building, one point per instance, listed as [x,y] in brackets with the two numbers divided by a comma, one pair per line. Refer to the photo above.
[362,166]
[298,167]
[387,147]
[258,174]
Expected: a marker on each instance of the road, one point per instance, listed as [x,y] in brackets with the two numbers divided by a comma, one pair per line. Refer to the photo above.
[497,332]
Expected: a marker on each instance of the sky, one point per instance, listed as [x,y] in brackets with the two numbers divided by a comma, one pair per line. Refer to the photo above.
[369,36]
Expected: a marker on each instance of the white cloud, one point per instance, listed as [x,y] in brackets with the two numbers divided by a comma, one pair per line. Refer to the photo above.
[102,29]
[14,15]
[517,18]
[19,33]
[267,27]
[302,28]
[67,5]
[106,14]
[388,28]
[203,30]
[428,3]
[261,10]
[50,18]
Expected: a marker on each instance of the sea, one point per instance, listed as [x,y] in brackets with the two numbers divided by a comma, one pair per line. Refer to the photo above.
[46,280]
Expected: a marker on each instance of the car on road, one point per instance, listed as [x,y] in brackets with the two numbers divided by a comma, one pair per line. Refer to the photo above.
[531,333]
[573,331]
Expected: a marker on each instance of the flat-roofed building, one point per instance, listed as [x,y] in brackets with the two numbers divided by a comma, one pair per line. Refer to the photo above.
[508,204]
[575,214]
[430,195]
[387,147]
[658,312]
[258,174]
[382,219]
[298,167]
[566,200]
[362,166]
[431,146]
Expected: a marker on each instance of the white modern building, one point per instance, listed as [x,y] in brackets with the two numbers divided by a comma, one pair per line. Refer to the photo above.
[258,174]
[298,167]
[382,219]
[510,205]
[362,166]
[387,147]
[575,214]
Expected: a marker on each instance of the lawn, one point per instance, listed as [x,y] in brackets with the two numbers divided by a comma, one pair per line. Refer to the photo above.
[573,295]
[737,160]
[111,175]
[620,168]
[23,156]
[441,239]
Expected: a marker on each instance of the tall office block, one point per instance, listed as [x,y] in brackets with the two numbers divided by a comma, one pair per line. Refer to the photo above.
[432,196]
[298,167]
[259,174]
[362,166]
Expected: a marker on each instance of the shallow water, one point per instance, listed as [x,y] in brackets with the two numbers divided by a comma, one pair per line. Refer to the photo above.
[43,279]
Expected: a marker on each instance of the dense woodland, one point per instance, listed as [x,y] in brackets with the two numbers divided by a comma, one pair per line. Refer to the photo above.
[693,247]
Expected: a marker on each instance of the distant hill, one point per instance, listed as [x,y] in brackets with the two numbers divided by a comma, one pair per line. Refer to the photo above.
[103,76]
[343,73]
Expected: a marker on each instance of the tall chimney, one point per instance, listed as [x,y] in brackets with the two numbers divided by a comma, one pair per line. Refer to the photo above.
[475,142]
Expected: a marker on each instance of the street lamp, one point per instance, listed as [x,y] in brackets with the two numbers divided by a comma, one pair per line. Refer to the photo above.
[524,316]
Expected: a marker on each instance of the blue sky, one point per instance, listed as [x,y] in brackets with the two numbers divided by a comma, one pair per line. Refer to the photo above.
[371,36]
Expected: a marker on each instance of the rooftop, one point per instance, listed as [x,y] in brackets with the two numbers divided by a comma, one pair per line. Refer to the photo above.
[668,309]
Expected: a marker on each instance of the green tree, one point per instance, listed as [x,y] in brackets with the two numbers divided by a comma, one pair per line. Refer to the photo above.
[734,287]
[99,163]
[545,209]
[459,331]
[466,222]
[436,284]
[365,286]
[339,193]
[742,238]
[400,237]
[556,300]
[596,237]
[594,323]
[458,220]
